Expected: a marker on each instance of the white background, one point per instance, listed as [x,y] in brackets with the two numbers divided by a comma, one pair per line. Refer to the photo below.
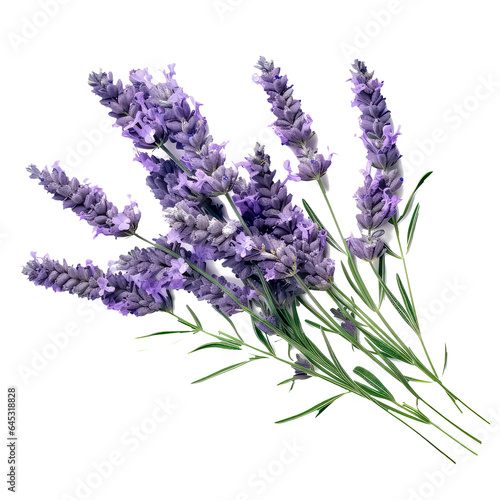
[220,443]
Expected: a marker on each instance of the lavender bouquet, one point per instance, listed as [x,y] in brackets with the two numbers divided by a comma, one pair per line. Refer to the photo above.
[274,255]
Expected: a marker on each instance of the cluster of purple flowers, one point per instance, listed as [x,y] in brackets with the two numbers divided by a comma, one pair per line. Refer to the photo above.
[375,199]
[156,115]
[272,239]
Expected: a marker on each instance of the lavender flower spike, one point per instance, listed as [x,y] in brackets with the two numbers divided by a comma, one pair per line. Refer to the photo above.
[89,202]
[90,282]
[293,126]
[378,135]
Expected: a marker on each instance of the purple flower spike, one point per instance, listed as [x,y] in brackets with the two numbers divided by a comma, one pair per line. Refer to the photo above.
[379,137]
[89,202]
[293,126]
[375,199]
[90,282]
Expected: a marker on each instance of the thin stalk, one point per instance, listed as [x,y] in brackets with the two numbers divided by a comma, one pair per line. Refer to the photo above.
[368,353]
[323,190]
[266,353]
[450,422]
[417,331]
[422,436]
[244,308]
[174,159]
[377,311]
[419,334]
[375,327]
[237,213]
[331,377]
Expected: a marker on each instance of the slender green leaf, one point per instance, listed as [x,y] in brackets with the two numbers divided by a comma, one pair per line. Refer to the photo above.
[186,323]
[410,200]
[388,350]
[412,226]
[405,414]
[328,345]
[229,320]
[357,278]
[312,323]
[369,377]
[286,381]
[165,333]
[348,277]
[330,239]
[418,413]
[225,370]
[411,379]
[381,273]
[321,410]
[292,380]
[445,358]
[388,251]
[406,300]
[373,392]
[398,306]
[263,338]
[296,317]
[320,407]
[217,345]
[358,291]
[396,372]
[197,321]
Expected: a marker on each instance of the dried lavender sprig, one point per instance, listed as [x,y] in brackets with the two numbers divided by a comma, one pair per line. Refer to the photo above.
[293,126]
[89,202]
[90,282]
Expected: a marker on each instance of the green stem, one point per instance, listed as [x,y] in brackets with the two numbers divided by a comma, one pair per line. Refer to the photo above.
[419,334]
[377,311]
[241,342]
[330,376]
[174,159]
[450,422]
[323,190]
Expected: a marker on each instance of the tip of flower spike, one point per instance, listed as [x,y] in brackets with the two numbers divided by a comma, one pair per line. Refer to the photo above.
[264,65]
[360,68]
[33,171]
